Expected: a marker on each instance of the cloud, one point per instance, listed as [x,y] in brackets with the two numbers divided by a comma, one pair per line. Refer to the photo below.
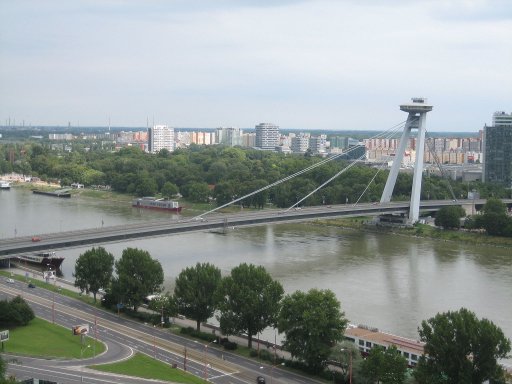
[310,64]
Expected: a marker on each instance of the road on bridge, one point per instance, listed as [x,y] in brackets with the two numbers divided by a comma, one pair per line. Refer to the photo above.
[18,245]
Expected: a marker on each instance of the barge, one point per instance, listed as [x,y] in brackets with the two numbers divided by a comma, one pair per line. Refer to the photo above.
[59,193]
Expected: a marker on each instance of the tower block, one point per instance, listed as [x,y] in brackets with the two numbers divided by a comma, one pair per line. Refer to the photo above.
[416,119]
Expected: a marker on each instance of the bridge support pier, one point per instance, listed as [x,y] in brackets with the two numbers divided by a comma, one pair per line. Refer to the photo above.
[416,119]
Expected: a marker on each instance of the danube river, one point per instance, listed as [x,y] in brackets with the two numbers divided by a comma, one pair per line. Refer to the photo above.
[385,281]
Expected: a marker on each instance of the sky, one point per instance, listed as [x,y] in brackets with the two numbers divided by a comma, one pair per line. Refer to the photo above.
[310,64]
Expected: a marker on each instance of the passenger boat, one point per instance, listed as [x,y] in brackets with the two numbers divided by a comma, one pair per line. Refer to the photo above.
[160,204]
[43,259]
[366,338]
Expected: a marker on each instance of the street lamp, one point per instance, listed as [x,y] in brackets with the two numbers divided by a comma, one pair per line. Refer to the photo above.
[48,276]
[350,363]
[271,371]
[205,361]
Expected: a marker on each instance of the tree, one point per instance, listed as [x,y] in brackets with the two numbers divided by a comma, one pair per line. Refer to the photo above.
[386,366]
[15,312]
[312,323]
[196,191]
[93,270]
[461,349]
[138,276]
[169,189]
[165,306]
[248,301]
[195,292]
[348,359]
[449,217]
[495,220]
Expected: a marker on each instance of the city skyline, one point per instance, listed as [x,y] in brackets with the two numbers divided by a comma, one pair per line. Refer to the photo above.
[299,64]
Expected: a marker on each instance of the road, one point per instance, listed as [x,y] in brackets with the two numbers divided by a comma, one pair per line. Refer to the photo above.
[123,338]
[60,240]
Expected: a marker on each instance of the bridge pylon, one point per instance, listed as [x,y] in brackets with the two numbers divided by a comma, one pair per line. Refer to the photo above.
[416,119]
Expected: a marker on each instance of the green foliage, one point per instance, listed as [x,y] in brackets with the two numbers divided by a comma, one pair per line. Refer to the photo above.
[249,301]
[165,306]
[195,292]
[461,348]
[233,172]
[312,323]
[169,189]
[495,220]
[196,191]
[138,276]
[449,217]
[15,312]
[385,366]
[93,270]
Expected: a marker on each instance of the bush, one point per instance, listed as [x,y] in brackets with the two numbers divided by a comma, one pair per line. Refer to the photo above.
[190,331]
[230,346]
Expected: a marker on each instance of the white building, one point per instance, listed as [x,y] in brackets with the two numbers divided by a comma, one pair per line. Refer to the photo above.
[228,136]
[160,137]
[267,136]
[300,143]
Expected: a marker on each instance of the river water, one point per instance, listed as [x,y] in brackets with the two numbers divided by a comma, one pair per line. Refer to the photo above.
[386,281]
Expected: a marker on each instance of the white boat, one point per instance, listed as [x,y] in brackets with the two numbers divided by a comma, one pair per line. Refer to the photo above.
[43,259]
[5,184]
[160,204]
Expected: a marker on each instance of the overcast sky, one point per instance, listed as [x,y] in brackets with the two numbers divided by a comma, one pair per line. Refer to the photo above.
[334,65]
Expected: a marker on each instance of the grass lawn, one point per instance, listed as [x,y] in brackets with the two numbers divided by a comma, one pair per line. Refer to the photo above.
[144,366]
[42,338]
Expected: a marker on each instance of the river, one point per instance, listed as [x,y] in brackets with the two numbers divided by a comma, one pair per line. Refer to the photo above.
[386,281]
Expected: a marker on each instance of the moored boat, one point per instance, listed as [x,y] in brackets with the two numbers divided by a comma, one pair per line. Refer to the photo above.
[59,193]
[44,259]
[5,184]
[160,204]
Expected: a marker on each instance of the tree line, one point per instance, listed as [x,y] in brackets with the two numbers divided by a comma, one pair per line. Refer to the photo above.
[494,218]
[460,348]
[219,174]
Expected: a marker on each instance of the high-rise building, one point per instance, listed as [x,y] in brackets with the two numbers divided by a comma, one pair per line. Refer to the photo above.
[160,137]
[267,136]
[228,136]
[300,143]
[497,147]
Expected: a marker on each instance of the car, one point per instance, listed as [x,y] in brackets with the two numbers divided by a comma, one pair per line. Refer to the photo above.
[36,239]
[260,380]
[9,280]
[30,285]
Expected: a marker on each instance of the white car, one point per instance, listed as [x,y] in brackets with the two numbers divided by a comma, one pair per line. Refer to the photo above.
[9,280]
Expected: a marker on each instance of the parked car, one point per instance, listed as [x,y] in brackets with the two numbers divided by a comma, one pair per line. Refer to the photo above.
[36,239]
[9,280]
[30,285]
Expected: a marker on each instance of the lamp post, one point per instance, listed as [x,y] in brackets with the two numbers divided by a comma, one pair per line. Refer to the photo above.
[48,276]
[154,341]
[205,361]
[350,363]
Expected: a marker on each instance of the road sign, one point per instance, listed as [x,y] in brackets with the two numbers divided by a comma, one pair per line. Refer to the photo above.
[4,335]
[80,329]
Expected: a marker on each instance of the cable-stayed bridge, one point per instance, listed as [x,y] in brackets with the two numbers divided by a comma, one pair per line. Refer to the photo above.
[11,247]
[212,220]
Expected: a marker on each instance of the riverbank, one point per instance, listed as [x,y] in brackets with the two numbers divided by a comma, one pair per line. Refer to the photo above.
[421,230]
